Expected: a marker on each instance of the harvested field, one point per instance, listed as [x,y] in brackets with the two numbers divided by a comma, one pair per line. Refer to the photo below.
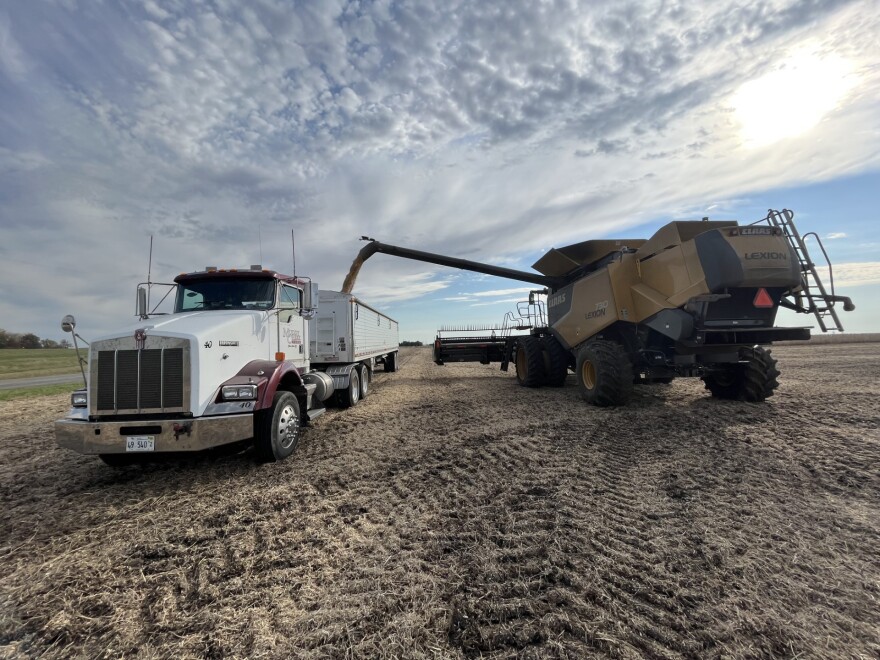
[455,514]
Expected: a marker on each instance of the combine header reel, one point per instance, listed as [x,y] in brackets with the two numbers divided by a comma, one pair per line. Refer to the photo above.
[491,343]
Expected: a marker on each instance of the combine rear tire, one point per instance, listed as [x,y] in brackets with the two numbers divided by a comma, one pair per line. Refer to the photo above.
[556,362]
[349,397]
[753,379]
[604,373]
[277,430]
[530,362]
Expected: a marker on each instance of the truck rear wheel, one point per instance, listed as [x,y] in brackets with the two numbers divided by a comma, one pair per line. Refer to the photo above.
[365,381]
[604,373]
[277,430]
[349,397]
[530,370]
[753,379]
[391,362]
[556,362]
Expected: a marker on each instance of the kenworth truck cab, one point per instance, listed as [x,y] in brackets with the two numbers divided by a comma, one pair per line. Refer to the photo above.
[230,363]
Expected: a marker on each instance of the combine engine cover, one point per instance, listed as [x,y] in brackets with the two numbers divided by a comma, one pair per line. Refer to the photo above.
[698,283]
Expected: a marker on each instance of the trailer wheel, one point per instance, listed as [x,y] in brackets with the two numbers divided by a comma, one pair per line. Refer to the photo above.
[753,379]
[555,362]
[277,430]
[530,370]
[604,373]
[391,362]
[349,397]
[365,381]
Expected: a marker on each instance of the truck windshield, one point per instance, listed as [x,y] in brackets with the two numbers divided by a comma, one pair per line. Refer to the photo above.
[225,294]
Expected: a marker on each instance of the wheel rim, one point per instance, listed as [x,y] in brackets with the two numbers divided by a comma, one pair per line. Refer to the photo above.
[288,426]
[588,374]
[365,382]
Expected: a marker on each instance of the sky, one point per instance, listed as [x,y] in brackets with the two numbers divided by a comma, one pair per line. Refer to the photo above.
[488,130]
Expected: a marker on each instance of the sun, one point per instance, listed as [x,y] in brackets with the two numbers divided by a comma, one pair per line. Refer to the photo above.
[792,99]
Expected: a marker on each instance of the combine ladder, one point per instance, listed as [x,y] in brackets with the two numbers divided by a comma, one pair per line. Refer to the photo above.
[813,298]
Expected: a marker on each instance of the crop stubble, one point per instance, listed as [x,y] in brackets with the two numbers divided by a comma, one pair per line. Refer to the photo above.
[455,514]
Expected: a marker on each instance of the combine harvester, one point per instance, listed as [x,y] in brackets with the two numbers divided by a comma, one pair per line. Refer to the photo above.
[697,299]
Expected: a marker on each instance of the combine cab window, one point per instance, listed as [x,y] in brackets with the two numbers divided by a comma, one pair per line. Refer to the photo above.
[218,293]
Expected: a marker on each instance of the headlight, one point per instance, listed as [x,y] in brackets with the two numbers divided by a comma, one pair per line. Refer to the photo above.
[237,392]
[79,399]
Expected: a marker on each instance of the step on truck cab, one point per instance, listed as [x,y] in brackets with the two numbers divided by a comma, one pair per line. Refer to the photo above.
[231,363]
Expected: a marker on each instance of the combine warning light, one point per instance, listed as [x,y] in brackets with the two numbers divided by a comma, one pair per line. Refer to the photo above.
[763,299]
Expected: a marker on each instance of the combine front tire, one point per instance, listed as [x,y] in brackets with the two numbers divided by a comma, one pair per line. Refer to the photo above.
[277,430]
[753,379]
[530,362]
[556,362]
[604,373]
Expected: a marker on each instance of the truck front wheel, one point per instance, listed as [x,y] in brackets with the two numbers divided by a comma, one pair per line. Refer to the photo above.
[604,373]
[277,430]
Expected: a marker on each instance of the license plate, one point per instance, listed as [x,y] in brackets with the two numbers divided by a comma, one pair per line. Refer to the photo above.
[140,443]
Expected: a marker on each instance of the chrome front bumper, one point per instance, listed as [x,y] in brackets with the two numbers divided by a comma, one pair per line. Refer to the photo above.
[169,434]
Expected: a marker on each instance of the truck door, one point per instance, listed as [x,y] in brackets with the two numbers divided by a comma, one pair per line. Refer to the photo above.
[292,328]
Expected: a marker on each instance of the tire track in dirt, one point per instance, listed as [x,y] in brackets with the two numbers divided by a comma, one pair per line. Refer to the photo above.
[455,514]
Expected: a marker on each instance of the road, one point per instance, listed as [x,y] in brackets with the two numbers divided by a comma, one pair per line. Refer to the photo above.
[16,383]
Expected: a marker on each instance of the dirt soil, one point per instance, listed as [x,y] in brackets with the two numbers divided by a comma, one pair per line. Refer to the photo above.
[455,514]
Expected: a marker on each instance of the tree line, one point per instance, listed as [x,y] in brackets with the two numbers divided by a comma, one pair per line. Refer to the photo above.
[28,340]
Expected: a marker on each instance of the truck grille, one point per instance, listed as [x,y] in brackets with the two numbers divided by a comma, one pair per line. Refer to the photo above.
[148,379]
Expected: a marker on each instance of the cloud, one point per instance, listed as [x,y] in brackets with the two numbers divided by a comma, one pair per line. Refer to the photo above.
[851,274]
[835,234]
[489,131]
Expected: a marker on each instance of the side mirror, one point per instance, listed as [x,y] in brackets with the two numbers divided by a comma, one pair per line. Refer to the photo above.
[531,297]
[142,302]
[68,323]
[310,296]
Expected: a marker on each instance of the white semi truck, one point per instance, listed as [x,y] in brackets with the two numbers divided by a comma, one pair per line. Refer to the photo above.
[234,361]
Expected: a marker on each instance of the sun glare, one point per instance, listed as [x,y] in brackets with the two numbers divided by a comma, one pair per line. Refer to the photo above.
[791,100]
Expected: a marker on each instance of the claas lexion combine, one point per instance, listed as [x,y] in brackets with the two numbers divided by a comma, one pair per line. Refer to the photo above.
[698,298]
